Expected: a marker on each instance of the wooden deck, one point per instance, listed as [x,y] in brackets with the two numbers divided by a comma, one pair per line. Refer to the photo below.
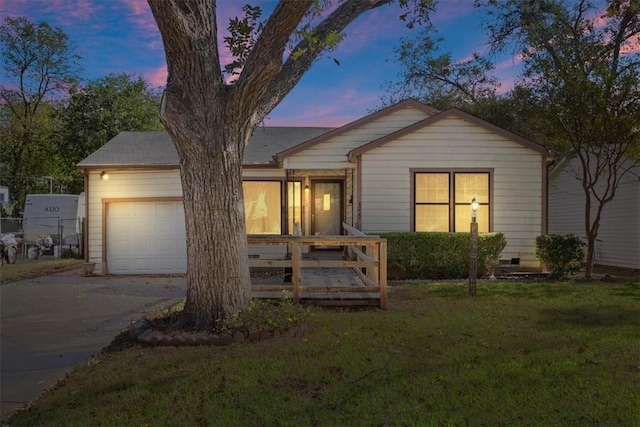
[318,285]
[323,277]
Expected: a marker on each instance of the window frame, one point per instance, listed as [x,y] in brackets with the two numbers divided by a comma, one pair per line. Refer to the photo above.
[452,202]
[284,207]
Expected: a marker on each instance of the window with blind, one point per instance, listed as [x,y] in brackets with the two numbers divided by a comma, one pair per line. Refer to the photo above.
[442,200]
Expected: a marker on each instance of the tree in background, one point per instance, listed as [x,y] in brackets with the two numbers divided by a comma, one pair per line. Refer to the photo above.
[39,64]
[582,71]
[98,111]
[433,77]
[579,93]
[211,123]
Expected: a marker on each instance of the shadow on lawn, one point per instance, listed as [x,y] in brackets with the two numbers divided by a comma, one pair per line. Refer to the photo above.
[594,316]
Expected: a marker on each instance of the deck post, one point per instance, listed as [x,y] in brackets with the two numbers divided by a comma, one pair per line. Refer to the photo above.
[382,275]
[373,272]
[295,267]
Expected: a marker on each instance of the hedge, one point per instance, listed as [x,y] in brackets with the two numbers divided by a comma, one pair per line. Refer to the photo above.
[434,256]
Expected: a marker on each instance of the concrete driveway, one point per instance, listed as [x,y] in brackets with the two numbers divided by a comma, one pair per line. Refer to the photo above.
[49,324]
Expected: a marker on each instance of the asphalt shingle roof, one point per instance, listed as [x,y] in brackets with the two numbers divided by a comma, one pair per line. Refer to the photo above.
[157,149]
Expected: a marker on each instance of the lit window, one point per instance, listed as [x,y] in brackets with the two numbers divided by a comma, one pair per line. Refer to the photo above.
[294,206]
[442,200]
[263,207]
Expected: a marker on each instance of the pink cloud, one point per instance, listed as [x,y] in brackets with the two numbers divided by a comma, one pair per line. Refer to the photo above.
[157,77]
[359,35]
[509,63]
[332,108]
[632,45]
[141,16]
[61,12]
[452,9]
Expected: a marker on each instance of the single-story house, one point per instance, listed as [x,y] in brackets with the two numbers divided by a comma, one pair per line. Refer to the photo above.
[407,167]
[618,240]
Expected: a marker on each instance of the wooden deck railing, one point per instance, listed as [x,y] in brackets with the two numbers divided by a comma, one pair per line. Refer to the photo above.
[369,266]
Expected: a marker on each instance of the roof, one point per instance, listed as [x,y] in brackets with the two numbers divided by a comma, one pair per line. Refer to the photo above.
[156,149]
[452,112]
[409,103]
[270,145]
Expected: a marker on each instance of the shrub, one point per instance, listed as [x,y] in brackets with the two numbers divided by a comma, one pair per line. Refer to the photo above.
[261,315]
[562,253]
[422,255]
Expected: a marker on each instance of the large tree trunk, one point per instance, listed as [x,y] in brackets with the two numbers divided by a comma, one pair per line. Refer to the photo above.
[210,136]
[211,122]
[218,282]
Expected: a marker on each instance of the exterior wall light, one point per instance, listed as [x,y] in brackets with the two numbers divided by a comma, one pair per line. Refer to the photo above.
[104,175]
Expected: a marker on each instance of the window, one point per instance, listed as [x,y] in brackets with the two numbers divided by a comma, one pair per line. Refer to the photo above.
[443,200]
[294,206]
[263,207]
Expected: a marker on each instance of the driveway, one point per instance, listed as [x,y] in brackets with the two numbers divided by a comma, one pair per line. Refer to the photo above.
[49,324]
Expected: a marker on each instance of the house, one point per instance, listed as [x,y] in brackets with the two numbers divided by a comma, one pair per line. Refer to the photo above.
[407,167]
[618,240]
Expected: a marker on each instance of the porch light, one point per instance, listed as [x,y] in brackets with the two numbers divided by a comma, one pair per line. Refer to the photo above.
[104,175]
[474,207]
[473,248]
[307,188]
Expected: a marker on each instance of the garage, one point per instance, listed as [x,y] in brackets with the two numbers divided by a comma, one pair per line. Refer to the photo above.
[146,237]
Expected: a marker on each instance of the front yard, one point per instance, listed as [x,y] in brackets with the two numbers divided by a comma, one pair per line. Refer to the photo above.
[27,269]
[553,354]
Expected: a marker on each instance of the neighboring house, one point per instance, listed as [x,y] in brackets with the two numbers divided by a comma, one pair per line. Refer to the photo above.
[408,167]
[618,240]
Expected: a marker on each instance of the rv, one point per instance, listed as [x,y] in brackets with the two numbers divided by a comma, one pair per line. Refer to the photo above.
[51,219]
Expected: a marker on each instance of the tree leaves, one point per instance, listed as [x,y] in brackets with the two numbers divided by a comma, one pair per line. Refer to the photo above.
[243,33]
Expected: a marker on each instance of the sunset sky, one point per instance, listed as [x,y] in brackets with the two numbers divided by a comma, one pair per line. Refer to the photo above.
[115,36]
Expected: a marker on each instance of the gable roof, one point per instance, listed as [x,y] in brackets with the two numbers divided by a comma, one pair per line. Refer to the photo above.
[409,103]
[452,112]
[156,149]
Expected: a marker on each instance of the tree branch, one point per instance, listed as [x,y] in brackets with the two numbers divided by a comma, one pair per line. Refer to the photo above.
[294,68]
[265,60]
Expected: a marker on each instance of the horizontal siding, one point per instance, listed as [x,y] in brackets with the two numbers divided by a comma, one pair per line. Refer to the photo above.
[140,184]
[123,185]
[456,144]
[263,173]
[618,240]
[332,154]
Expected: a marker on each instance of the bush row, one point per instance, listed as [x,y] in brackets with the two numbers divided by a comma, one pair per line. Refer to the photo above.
[433,256]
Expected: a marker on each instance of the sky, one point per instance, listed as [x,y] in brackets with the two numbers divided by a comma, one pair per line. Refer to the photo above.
[116,36]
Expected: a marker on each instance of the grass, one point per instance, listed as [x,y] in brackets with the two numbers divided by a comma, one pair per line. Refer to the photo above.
[518,354]
[24,269]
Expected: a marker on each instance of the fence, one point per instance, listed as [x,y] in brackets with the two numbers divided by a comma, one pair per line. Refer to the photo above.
[358,281]
[65,233]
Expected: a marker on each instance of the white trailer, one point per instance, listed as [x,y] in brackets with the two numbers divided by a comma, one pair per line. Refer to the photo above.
[54,215]
[4,195]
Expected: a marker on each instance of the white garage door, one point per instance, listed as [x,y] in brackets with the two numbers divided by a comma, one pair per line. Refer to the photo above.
[146,238]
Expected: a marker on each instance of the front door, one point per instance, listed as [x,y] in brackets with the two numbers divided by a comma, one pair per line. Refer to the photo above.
[327,208]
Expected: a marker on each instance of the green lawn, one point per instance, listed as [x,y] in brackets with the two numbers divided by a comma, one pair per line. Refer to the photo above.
[518,354]
[26,269]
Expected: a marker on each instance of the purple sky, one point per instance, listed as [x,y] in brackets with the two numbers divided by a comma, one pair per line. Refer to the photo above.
[115,36]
